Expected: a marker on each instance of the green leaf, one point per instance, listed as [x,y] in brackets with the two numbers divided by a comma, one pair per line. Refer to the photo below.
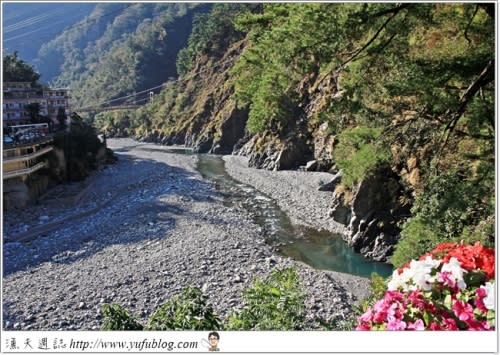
[447,301]
[427,318]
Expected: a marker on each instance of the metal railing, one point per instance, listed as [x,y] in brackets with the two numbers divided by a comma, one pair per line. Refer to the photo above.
[21,172]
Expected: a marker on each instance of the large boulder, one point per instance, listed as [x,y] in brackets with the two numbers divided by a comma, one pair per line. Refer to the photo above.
[267,151]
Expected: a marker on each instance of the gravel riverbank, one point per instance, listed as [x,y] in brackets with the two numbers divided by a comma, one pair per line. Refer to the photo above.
[165,228]
[296,192]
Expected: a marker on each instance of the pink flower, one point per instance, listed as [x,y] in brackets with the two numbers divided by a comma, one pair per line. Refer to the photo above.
[363,326]
[473,324]
[394,312]
[393,296]
[446,278]
[478,302]
[417,325]
[453,304]
[486,325]
[380,308]
[416,299]
[463,311]
[435,326]
[450,324]
[367,316]
[396,324]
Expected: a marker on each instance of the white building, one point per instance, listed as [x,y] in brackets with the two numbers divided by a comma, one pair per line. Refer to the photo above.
[17,95]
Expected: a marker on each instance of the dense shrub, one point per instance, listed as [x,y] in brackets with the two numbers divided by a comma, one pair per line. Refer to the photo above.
[118,318]
[187,311]
[80,146]
[357,154]
[454,206]
[274,304]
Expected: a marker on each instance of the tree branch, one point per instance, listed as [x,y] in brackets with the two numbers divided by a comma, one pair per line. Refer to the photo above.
[391,10]
[486,76]
[374,37]
[469,24]
[394,12]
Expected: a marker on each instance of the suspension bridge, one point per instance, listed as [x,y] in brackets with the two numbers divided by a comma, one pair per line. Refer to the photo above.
[106,108]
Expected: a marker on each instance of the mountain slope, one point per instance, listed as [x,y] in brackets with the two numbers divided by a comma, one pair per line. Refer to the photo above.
[119,49]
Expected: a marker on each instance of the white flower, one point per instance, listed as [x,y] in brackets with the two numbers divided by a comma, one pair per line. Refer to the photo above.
[397,281]
[453,266]
[417,275]
[430,263]
[489,300]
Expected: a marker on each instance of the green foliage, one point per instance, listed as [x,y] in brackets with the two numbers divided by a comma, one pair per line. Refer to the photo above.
[454,206]
[212,32]
[80,146]
[187,311]
[417,238]
[378,286]
[288,42]
[119,49]
[118,318]
[15,69]
[274,304]
[357,153]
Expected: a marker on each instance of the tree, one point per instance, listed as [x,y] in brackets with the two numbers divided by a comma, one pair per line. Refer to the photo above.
[15,69]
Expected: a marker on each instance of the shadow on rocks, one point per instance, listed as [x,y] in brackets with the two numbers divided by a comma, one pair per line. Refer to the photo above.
[137,214]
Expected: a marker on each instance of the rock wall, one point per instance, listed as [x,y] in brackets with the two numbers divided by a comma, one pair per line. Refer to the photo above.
[274,154]
[18,192]
[15,193]
[371,213]
[205,115]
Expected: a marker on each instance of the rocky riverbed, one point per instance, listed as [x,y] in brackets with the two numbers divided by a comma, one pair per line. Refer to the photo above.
[162,227]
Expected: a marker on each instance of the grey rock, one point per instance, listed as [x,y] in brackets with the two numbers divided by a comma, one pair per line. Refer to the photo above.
[311,165]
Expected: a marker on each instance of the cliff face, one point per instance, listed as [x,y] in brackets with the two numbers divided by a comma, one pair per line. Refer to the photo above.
[204,115]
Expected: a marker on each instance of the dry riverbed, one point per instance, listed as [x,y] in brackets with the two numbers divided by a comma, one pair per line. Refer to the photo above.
[164,228]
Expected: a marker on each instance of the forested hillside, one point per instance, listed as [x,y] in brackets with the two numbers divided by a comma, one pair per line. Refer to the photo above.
[397,97]
[120,48]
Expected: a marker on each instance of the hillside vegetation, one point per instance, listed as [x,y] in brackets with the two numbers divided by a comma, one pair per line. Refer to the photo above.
[118,49]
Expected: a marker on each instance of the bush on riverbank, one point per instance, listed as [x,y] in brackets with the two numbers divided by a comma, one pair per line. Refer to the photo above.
[276,303]
[187,311]
[118,318]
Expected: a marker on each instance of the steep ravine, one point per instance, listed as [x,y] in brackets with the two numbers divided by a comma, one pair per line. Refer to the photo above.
[208,120]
